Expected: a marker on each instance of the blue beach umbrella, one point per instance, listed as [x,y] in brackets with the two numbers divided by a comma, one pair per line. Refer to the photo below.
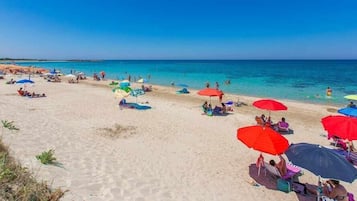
[321,161]
[24,81]
[136,93]
[348,111]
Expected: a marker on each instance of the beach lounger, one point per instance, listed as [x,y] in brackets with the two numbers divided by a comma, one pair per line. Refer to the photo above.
[183,91]
[292,170]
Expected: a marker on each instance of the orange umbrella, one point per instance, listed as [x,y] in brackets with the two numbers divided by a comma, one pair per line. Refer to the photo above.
[263,139]
[210,92]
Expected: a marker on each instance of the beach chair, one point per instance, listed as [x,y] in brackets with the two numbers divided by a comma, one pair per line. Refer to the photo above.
[352,157]
[292,171]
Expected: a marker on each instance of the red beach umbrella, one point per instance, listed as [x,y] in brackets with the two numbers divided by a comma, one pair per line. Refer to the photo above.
[210,92]
[341,126]
[263,139]
[269,104]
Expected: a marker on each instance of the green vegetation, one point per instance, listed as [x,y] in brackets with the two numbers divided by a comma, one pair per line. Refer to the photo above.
[16,183]
[9,125]
[47,157]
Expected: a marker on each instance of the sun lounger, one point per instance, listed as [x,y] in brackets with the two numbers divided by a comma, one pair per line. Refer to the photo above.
[183,91]
[292,170]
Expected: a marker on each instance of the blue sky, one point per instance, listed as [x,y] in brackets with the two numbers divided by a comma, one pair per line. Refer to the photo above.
[185,29]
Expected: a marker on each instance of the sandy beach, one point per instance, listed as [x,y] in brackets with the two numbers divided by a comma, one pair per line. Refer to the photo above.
[169,152]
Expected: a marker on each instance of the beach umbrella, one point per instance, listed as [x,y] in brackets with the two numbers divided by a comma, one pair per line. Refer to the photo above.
[351,97]
[142,80]
[126,89]
[210,92]
[348,111]
[70,76]
[124,83]
[270,105]
[321,161]
[119,93]
[341,126]
[136,93]
[25,81]
[263,139]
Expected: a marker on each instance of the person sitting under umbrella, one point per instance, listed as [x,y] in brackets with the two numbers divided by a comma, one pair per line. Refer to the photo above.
[351,104]
[281,166]
[334,190]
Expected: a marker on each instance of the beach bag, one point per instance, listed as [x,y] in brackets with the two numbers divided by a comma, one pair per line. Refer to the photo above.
[283,185]
[299,187]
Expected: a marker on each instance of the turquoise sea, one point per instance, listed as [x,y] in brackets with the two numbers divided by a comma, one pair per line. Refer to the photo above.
[301,80]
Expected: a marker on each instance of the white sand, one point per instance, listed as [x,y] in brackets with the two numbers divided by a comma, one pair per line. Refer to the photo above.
[170,152]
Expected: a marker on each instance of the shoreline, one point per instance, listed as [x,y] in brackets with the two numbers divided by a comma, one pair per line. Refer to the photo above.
[235,95]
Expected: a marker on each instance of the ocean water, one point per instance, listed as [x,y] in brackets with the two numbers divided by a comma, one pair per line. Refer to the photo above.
[301,80]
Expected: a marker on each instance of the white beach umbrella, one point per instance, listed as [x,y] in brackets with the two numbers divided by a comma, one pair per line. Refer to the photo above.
[70,76]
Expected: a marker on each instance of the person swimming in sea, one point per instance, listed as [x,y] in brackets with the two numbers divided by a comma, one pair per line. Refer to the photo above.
[328,91]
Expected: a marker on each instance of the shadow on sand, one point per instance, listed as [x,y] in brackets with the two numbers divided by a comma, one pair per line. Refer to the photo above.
[269,181]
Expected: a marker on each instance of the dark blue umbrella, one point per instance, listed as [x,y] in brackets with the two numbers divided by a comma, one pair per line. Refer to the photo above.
[321,161]
[24,81]
[348,111]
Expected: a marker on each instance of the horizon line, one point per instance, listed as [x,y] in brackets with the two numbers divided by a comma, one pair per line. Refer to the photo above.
[198,59]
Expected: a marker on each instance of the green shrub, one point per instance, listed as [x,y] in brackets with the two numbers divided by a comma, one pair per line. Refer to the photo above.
[9,125]
[5,172]
[47,157]
[17,183]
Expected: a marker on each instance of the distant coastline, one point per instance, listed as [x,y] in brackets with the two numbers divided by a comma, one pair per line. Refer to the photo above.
[46,60]
[192,60]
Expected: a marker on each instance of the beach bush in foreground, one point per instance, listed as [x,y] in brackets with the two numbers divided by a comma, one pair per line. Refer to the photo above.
[9,125]
[17,183]
[47,157]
